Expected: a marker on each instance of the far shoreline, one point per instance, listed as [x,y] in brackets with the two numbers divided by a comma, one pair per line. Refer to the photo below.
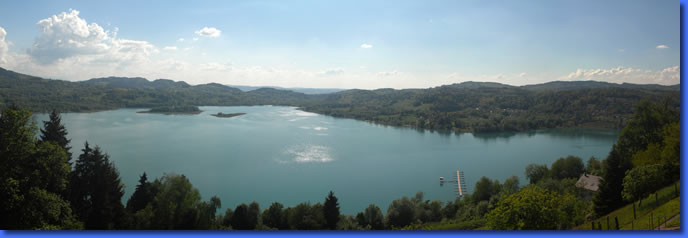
[228,115]
[172,113]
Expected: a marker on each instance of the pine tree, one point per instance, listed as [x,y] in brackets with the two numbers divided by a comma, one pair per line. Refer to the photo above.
[331,211]
[609,196]
[33,174]
[96,190]
[56,132]
[143,195]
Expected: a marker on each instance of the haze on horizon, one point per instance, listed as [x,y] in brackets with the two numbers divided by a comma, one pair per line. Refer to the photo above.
[352,44]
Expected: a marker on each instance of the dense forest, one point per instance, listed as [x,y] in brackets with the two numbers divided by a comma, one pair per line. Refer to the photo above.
[464,107]
[41,188]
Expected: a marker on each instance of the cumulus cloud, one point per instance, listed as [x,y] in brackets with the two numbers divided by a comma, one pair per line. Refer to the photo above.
[3,46]
[180,40]
[195,39]
[208,32]
[67,35]
[170,48]
[666,76]
[521,75]
[366,46]
[662,47]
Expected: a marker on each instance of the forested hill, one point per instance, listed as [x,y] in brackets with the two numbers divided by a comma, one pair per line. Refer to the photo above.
[570,85]
[468,106]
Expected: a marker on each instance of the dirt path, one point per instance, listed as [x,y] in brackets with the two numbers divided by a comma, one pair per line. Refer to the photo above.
[662,226]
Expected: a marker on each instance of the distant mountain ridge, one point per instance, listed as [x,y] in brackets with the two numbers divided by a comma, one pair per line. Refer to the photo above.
[137,82]
[460,107]
[298,90]
[570,85]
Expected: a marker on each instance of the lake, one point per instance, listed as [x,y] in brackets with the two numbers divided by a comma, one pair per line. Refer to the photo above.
[281,154]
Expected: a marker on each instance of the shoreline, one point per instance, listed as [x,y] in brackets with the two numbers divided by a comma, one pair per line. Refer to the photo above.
[172,113]
[228,115]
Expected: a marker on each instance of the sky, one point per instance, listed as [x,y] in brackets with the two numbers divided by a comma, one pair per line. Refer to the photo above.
[345,44]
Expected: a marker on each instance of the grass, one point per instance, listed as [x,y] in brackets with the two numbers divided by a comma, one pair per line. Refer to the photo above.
[625,214]
[675,223]
[466,225]
[658,215]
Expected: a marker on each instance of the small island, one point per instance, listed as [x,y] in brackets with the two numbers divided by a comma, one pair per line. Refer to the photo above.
[169,110]
[226,115]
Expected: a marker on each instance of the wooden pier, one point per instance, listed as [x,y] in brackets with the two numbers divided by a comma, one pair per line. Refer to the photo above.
[460,183]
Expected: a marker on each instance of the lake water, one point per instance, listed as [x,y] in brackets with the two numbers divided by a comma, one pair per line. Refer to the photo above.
[280,154]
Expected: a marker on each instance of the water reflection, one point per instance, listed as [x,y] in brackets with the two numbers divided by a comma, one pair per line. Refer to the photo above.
[307,153]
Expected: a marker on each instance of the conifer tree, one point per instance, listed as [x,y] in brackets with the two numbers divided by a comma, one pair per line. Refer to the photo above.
[96,190]
[55,131]
[331,211]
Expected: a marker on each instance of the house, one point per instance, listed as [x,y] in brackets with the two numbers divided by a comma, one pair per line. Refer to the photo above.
[589,182]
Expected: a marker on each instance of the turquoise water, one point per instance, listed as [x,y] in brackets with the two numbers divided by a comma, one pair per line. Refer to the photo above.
[280,154]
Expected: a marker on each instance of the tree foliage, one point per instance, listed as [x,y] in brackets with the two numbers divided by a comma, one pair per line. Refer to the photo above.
[401,212]
[96,190]
[641,181]
[305,216]
[534,208]
[331,211]
[371,218]
[569,167]
[34,175]
[485,189]
[53,130]
[535,173]
[640,140]
[274,216]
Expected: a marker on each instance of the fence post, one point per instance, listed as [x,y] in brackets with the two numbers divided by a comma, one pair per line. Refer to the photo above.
[616,221]
[593,225]
[634,211]
[599,225]
[608,223]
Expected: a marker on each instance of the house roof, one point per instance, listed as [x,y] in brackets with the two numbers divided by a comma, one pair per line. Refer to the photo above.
[589,182]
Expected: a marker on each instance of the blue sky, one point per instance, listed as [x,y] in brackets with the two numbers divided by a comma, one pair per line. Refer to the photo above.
[345,44]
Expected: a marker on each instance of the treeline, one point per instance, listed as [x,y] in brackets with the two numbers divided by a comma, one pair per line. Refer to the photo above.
[40,188]
[490,109]
[645,158]
[465,107]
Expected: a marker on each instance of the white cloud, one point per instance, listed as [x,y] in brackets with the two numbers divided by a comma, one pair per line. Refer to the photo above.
[388,73]
[209,32]
[170,48]
[667,76]
[216,66]
[662,47]
[71,48]
[3,46]
[66,35]
[366,46]
[331,72]
[195,39]
[180,40]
